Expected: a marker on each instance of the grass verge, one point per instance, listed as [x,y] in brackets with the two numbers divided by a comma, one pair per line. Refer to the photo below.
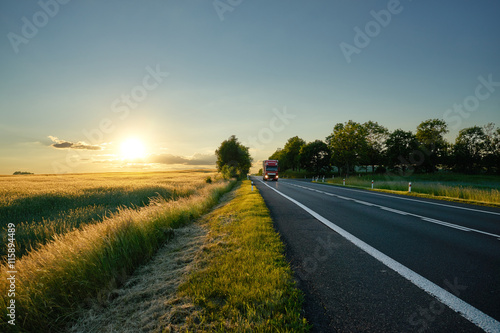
[51,282]
[243,283]
[455,192]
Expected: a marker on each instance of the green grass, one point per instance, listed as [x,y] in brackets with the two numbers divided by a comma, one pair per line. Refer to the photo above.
[86,263]
[48,205]
[244,283]
[295,174]
[481,189]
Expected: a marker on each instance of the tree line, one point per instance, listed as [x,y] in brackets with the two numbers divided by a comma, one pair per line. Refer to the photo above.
[371,146]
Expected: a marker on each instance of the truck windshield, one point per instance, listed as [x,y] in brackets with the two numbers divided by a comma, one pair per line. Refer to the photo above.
[272,168]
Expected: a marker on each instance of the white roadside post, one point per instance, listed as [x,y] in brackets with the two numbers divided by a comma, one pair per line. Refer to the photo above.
[372,184]
[252,185]
[409,187]
[343,181]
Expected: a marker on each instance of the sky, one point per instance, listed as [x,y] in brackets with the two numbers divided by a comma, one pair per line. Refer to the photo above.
[174,79]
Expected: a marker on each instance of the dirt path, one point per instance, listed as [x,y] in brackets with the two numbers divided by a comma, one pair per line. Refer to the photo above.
[148,301]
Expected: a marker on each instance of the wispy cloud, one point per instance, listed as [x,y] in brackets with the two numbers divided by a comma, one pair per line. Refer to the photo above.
[196,159]
[63,144]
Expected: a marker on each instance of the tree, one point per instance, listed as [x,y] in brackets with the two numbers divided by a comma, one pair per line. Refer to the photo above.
[376,136]
[469,149]
[401,149]
[233,159]
[279,154]
[491,159]
[291,152]
[432,143]
[348,145]
[315,157]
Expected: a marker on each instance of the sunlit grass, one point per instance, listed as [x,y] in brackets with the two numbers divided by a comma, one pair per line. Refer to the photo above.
[86,263]
[244,283]
[462,187]
[44,206]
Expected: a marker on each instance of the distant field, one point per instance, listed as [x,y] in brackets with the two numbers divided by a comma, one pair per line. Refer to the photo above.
[475,188]
[89,233]
[42,206]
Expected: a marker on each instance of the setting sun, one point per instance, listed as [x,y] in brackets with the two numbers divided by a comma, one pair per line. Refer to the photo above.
[133,149]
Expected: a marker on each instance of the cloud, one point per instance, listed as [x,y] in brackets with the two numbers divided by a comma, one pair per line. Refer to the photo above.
[63,144]
[196,159]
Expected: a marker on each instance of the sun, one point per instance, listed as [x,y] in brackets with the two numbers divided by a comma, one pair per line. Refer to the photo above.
[132,149]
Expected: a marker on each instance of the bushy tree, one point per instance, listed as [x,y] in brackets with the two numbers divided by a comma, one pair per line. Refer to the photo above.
[491,159]
[376,136]
[401,150]
[233,159]
[291,152]
[430,135]
[315,157]
[469,149]
[348,145]
[279,154]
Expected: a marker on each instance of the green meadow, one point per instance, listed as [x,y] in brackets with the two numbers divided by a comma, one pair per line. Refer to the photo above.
[477,189]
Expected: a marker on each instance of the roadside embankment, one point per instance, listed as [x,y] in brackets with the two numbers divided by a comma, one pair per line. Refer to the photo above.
[243,282]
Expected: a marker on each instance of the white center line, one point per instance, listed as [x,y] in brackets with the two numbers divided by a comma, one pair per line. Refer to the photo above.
[415,200]
[423,218]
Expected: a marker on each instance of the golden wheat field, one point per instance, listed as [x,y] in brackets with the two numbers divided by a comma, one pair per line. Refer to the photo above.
[77,236]
[42,206]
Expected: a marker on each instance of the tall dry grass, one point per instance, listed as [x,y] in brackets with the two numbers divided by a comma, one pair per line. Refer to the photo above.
[44,206]
[87,263]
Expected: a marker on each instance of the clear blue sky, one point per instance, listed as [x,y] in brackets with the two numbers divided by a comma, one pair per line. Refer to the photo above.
[86,75]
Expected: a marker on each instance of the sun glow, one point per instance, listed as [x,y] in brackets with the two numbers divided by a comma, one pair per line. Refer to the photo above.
[133,149]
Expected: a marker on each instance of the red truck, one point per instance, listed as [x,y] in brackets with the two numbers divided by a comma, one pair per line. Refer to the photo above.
[270,170]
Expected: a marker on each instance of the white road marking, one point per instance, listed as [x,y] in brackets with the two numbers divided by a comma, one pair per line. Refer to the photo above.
[419,201]
[363,203]
[423,218]
[392,210]
[475,316]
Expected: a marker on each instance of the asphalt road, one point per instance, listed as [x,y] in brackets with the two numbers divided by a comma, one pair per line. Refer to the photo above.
[373,262]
